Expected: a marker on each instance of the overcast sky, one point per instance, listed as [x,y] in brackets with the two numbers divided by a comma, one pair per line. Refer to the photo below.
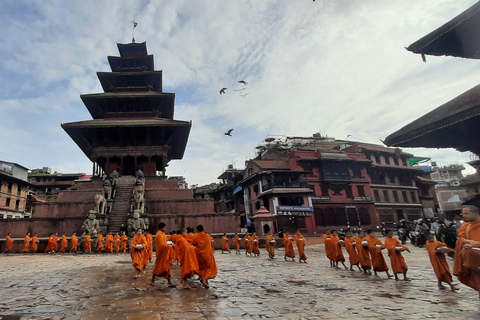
[336,67]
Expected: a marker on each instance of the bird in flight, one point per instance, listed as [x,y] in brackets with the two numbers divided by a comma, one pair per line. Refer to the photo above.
[228,133]
[244,95]
[222,91]
[243,81]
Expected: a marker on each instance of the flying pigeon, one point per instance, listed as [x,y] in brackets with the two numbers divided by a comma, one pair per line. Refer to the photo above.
[228,133]
[222,91]
[243,81]
[244,95]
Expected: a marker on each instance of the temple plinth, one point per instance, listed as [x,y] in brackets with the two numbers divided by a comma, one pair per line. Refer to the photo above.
[133,126]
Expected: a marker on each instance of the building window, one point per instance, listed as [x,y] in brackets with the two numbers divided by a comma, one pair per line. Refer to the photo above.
[387,160]
[377,159]
[19,190]
[405,198]
[10,188]
[395,196]
[385,195]
[357,172]
[395,161]
[376,194]
[17,204]
[349,192]
[7,202]
[361,191]
[414,196]
[255,189]
[257,205]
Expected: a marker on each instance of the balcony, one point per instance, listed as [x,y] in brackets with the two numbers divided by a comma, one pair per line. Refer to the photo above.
[284,186]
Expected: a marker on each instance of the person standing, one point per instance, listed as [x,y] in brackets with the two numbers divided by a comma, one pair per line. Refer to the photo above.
[163,262]
[187,258]
[247,243]
[397,261]
[100,246]
[63,243]
[350,246]
[109,242]
[137,252]
[149,238]
[288,243]
[26,243]
[375,246]
[300,242]
[34,243]
[236,242]
[88,244]
[436,252]
[8,244]
[363,252]
[124,243]
[255,245]
[50,245]
[55,242]
[329,249]
[338,253]
[270,245]
[207,266]
[116,242]
[74,243]
[225,247]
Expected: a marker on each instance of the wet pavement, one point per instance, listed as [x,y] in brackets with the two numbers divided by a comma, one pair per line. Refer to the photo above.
[104,287]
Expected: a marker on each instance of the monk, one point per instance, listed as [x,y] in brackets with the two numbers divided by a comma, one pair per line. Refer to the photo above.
[149,237]
[236,242]
[55,242]
[350,246]
[270,245]
[225,247]
[88,245]
[338,253]
[247,243]
[329,249]
[212,243]
[163,262]
[436,252]
[8,244]
[363,252]
[74,243]
[26,243]
[207,266]
[288,243]
[124,242]
[109,242]
[375,246]
[100,246]
[397,261]
[255,245]
[187,257]
[190,235]
[116,242]
[468,245]
[63,243]
[50,245]
[137,252]
[34,243]
[300,242]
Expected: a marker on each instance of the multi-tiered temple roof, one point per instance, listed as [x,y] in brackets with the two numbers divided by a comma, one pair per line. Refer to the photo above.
[133,126]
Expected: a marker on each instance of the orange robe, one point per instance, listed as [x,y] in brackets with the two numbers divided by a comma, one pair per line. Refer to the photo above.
[124,243]
[190,237]
[288,240]
[74,243]
[116,242]
[225,246]
[300,242]
[378,261]
[109,243]
[329,248]
[150,246]
[88,245]
[439,263]
[8,244]
[55,243]
[236,243]
[63,243]
[163,262]
[461,235]
[146,254]
[269,245]
[187,257]
[34,243]
[338,253]
[363,253]
[212,243]
[247,243]
[469,277]
[396,259]
[26,244]
[255,245]
[100,243]
[50,245]
[207,266]
[350,246]
[138,254]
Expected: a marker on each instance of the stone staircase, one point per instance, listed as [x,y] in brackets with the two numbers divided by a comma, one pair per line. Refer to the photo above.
[121,203]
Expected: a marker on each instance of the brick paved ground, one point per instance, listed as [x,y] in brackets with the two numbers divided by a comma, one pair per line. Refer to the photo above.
[103,287]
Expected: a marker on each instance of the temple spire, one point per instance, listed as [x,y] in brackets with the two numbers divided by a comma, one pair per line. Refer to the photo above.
[133,31]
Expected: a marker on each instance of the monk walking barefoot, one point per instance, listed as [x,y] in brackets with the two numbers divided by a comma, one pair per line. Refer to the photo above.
[329,249]
[206,260]
[88,244]
[55,242]
[436,252]
[8,244]
[225,247]
[288,241]
[100,246]
[74,243]
[395,249]
[26,243]
[50,245]
[300,242]
[270,245]
[350,246]
[236,242]
[34,243]
[338,253]
[375,246]
[116,242]
[63,243]
[137,252]
[163,262]
[124,243]
[187,257]
[255,245]
[363,252]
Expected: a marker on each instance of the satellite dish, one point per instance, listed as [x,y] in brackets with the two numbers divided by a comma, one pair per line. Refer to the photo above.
[269,139]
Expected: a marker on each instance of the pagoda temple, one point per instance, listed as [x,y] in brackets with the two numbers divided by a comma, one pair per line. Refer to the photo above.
[133,126]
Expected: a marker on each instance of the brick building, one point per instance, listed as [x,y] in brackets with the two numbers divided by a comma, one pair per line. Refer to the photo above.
[14,189]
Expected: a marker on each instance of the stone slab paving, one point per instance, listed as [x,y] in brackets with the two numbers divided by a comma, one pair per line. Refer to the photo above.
[103,287]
